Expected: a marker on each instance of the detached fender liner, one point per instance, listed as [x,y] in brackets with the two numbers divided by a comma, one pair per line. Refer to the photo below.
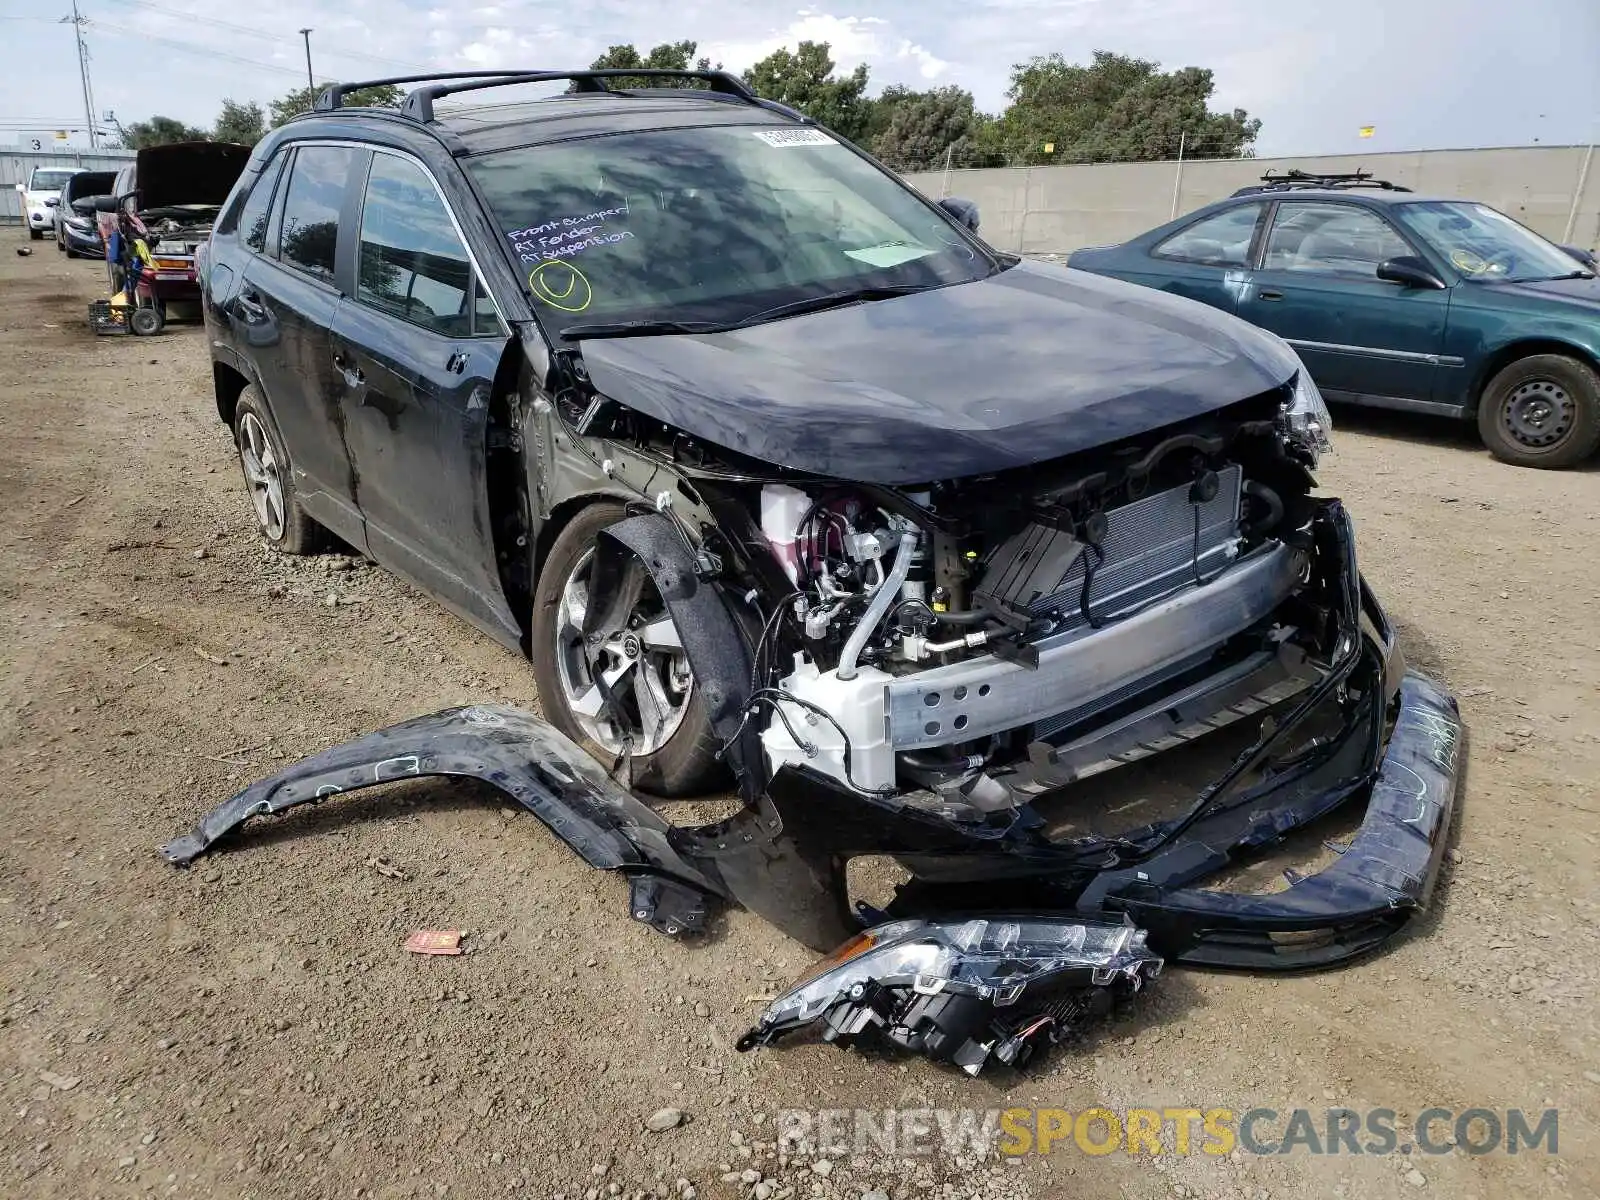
[525,758]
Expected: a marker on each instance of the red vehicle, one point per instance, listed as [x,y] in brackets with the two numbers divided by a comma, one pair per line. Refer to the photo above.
[170,196]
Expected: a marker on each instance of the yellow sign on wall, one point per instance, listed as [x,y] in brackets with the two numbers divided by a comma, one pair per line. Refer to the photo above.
[1367,130]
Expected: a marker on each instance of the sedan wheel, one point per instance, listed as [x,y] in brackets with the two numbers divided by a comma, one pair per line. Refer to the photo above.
[1542,411]
[1539,413]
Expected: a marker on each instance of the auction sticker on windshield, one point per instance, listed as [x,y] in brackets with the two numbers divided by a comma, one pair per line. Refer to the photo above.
[782,139]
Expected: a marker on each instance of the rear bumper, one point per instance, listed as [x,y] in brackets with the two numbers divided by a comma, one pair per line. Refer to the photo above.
[171,286]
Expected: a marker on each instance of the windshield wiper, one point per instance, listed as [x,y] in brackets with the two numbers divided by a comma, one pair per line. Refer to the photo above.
[795,308]
[1568,275]
[615,329]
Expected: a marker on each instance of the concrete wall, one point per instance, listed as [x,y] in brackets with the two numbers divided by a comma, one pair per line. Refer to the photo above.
[16,166]
[1053,210]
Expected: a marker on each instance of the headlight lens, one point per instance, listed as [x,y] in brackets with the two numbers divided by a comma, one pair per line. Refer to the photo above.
[991,960]
[1306,420]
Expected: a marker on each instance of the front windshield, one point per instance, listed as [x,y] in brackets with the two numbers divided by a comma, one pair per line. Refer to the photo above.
[49,181]
[1486,245]
[711,223]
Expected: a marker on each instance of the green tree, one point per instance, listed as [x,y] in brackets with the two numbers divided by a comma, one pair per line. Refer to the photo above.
[924,127]
[161,131]
[241,123]
[669,56]
[1116,108]
[804,80]
[301,100]
[881,109]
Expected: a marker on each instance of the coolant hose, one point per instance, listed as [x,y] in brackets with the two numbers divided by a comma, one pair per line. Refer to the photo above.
[888,593]
[971,616]
[1270,498]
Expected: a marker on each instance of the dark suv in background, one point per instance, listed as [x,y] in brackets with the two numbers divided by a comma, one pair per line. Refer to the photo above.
[774,468]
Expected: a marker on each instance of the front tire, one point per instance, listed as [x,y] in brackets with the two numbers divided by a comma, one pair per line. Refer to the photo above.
[1542,411]
[35,235]
[655,715]
[270,480]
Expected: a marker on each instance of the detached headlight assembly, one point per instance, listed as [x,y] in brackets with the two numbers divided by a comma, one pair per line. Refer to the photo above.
[964,991]
[1306,420]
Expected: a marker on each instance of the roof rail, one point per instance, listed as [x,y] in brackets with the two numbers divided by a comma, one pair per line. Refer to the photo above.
[1296,178]
[419,104]
[332,96]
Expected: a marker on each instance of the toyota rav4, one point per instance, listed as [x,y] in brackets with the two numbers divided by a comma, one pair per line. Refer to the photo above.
[786,481]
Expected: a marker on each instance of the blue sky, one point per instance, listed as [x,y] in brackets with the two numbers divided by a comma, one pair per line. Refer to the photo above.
[1424,73]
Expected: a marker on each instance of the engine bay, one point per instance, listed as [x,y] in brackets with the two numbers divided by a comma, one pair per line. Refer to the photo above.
[963,644]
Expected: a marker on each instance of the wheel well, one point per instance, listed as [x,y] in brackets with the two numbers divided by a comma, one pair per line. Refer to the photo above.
[1508,354]
[227,383]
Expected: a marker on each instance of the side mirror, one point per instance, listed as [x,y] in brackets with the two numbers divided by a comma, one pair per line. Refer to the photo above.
[84,206]
[22,187]
[964,211]
[1409,271]
[1586,257]
[52,201]
[104,204]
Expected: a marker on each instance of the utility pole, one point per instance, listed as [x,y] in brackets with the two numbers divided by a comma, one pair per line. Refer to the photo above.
[310,82]
[1177,178]
[77,20]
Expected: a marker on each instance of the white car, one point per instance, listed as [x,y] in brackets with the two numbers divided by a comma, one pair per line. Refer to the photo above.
[40,195]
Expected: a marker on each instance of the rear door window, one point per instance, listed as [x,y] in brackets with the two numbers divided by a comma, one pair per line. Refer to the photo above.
[1220,240]
[251,221]
[413,264]
[309,233]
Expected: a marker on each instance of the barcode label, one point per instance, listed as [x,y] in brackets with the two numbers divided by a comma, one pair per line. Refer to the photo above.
[782,138]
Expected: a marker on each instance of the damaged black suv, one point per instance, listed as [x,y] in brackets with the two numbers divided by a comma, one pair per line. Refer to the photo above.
[784,479]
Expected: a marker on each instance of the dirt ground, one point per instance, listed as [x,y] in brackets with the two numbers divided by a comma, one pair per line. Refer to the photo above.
[252,1028]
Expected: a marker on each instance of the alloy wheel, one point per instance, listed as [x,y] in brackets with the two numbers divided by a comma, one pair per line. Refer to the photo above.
[263,475]
[639,661]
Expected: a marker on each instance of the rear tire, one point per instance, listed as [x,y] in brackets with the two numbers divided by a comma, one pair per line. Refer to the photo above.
[269,479]
[1542,411]
[685,763]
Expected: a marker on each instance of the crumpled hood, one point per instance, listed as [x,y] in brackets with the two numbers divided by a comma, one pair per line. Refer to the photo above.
[1028,365]
[188,173]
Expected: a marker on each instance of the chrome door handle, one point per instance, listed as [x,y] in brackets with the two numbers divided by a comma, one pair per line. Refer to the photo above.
[1269,295]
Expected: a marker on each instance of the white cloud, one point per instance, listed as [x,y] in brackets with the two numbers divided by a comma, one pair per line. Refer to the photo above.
[929,65]
[851,40]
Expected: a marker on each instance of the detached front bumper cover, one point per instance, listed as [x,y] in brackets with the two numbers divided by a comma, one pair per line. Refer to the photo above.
[784,854]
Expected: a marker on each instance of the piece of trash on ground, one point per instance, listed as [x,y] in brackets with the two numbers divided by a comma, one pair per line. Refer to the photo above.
[435,941]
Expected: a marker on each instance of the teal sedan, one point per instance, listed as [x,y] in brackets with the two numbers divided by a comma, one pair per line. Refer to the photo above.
[1399,301]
